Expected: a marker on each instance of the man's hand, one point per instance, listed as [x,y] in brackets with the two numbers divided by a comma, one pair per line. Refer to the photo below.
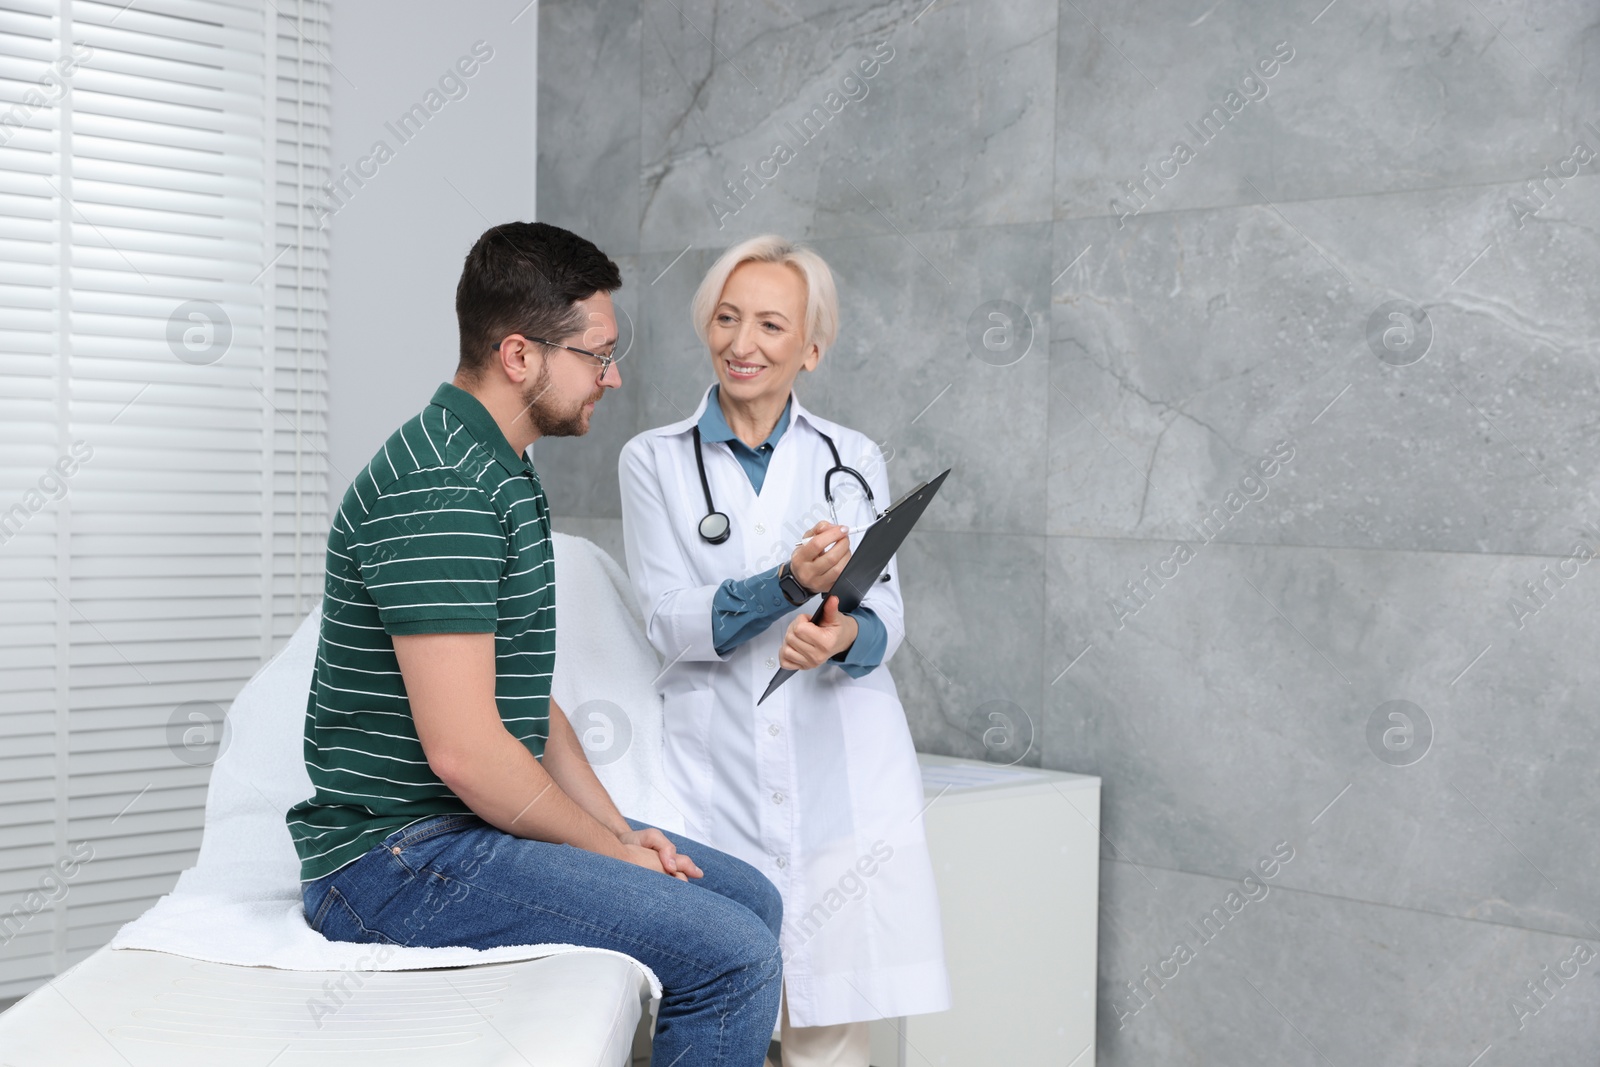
[809,644]
[650,848]
[818,563]
[647,858]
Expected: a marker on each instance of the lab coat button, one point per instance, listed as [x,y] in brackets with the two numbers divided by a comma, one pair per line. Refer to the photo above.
[782,863]
[771,662]
[761,528]
[773,729]
[777,798]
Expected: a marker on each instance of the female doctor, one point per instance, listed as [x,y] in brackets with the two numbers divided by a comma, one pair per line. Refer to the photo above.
[817,787]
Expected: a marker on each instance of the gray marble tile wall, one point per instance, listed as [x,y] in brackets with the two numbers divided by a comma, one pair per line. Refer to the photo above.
[1295,431]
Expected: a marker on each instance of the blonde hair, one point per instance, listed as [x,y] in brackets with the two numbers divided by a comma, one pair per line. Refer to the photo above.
[822,299]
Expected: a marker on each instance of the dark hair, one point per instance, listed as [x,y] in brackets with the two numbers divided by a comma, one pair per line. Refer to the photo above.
[526,277]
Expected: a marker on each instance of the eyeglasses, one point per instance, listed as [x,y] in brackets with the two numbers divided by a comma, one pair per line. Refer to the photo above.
[605,360]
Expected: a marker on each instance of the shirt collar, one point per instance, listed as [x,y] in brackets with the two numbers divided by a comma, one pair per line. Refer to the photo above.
[714,426]
[481,426]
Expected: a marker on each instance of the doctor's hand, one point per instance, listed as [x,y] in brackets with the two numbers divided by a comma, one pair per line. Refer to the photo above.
[809,644]
[651,848]
[818,563]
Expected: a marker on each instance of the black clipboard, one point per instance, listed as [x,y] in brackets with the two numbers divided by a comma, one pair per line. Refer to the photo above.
[871,557]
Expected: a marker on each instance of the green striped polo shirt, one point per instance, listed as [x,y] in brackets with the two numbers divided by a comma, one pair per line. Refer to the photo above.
[445,531]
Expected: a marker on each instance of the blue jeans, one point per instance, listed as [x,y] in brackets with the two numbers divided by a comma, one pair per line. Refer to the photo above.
[456,880]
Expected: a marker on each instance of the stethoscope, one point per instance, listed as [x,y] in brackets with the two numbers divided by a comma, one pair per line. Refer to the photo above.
[716,527]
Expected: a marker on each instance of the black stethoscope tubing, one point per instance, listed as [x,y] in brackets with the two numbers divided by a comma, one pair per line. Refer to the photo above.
[716,526]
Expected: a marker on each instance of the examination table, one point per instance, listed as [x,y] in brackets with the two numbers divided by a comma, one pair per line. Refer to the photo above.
[224,970]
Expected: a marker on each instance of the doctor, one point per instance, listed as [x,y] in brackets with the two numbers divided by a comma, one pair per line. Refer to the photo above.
[818,787]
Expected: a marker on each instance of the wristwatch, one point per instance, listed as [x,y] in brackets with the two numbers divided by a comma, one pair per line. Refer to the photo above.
[793,591]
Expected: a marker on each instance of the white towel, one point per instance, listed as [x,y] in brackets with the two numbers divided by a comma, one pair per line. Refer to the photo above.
[240,902]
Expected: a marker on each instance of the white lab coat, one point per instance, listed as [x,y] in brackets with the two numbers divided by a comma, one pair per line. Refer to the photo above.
[818,787]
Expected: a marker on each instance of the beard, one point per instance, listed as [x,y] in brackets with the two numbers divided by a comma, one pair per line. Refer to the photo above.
[548,415]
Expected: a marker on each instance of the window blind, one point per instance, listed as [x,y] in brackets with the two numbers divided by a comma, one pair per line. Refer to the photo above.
[162,418]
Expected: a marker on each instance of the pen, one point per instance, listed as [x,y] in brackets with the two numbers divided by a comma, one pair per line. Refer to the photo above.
[807,540]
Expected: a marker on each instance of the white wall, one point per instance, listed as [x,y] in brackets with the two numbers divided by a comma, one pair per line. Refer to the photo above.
[398,238]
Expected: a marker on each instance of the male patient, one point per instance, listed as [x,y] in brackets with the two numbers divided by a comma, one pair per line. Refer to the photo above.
[453,803]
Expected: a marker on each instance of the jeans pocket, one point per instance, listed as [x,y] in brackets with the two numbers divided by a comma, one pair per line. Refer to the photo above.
[405,847]
[315,916]
[337,920]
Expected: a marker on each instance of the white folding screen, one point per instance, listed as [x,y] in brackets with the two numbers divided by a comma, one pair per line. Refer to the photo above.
[162,385]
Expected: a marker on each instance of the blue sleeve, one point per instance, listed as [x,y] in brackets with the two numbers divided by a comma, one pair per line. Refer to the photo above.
[872,640]
[741,608]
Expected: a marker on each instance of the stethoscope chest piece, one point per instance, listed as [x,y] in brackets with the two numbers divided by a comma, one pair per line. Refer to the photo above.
[715,527]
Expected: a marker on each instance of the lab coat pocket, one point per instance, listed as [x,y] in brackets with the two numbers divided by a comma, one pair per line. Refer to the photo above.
[686,752]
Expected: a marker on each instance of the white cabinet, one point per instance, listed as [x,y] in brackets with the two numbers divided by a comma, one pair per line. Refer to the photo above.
[1017,859]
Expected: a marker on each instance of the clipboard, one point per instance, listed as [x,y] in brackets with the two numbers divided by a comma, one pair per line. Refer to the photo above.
[881,541]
